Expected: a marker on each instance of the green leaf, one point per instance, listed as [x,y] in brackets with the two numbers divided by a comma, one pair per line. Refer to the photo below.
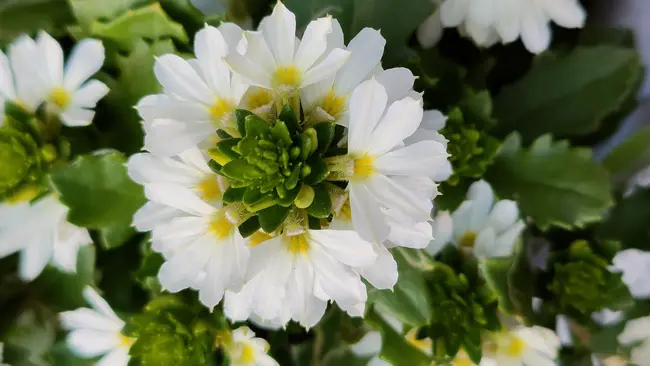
[240,170]
[554,184]
[628,221]
[31,337]
[394,347]
[290,197]
[321,206]
[495,271]
[409,300]
[588,92]
[98,191]
[148,22]
[630,155]
[240,118]
[26,16]
[87,11]
[255,126]
[249,227]
[271,218]
[114,236]
[116,118]
[325,131]
[319,170]
[288,116]
[521,282]
[233,194]
[225,146]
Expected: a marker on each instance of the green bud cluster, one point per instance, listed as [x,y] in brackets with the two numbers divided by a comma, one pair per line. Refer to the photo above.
[582,282]
[465,307]
[275,166]
[171,332]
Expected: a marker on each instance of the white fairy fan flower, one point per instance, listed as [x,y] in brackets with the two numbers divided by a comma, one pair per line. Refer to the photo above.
[42,75]
[637,333]
[199,96]
[378,165]
[479,225]
[244,349]
[41,233]
[327,100]
[295,274]
[275,59]
[635,266]
[489,21]
[97,332]
[523,346]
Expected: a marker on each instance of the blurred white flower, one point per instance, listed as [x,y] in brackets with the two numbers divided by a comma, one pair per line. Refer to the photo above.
[635,266]
[523,346]
[244,349]
[637,331]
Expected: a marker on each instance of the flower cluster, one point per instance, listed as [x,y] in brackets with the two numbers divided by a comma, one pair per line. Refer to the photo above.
[279,170]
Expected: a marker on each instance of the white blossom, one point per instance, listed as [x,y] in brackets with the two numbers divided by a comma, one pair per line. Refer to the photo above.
[244,349]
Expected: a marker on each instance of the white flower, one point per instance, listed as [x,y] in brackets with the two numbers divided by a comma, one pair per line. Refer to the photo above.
[327,100]
[524,346]
[479,224]
[41,75]
[293,276]
[379,167]
[42,234]
[635,266]
[1,352]
[97,331]
[637,330]
[430,31]
[277,60]
[200,95]
[640,179]
[487,21]
[243,349]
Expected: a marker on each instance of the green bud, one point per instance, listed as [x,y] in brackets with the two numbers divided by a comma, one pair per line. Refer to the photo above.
[21,162]
[305,197]
[305,171]
[294,152]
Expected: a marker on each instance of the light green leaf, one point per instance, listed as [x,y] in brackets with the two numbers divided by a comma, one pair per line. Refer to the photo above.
[409,300]
[554,184]
[114,236]
[26,16]
[394,347]
[30,338]
[88,10]
[98,191]
[569,95]
[631,155]
[495,271]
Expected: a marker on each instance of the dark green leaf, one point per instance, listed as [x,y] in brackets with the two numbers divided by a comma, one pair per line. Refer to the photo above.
[322,204]
[325,131]
[114,236]
[495,271]
[271,218]
[394,347]
[628,221]
[240,118]
[27,16]
[319,170]
[629,156]
[249,227]
[290,197]
[255,126]
[234,194]
[288,116]
[225,147]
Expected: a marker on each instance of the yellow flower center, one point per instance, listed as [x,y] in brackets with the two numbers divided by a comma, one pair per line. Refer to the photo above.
[515,347]
[26,193]
[364,166]
[462,362]
[126,341]
[60,97]
[259,98]
[221,227]
[346,212]
[423,344]
[210,189]
[298,244]
[220,109]
[467,240]
[287,75]
[247,354]
[258,238]
[333,104]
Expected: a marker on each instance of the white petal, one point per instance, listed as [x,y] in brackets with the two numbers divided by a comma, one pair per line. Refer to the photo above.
[89,343]
[393,195]
[400,121]
[86,59]
[509,23]
[443,227]
[89,94]
[345,246]
[84,318]
[382,274]
[35,255]
[98,303]
[258,65]
[153,214]
[506,241]
[335,38]
[14,232]
[366,50]
[6,79]
[433,120]
[337,281]
[430,32]
[481,12]
[184,266]
[148,168]
[635,330]
[75,116]
[424,158]
[53,54]
[367,105]
[635,265]
[225,270]
[178,232]
[535,30]
[563,330]
[367,218]
[398,82]
[29,74]
[460,218]
[566,13]
[161,106]
[117,357]
[234,37]
[482,197]
[453,12]
[408,234]
[169,137]
[279,30]
[179,78]
[485,244]
[313,43]
[503,215]
[210,48]
[325,68]
[178,197]
[69,239]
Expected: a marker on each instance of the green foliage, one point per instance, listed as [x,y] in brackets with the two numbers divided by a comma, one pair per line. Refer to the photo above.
[583,284]
[569,94]
[30,339]
[628,221]
[395,348]
[21,162]
[554,184]
[629,156]
[99,193]
[87,11]
[18,16]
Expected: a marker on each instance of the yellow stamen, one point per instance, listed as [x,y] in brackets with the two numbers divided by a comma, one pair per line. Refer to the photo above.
[423,344]
[298,244]
[364,166]
[247,354]
[259,98]
[287,75]
[333,104]
[26,193]
[126,341]
[515,347]
[210,189]
[345,213]
[462,362]
[258,238]
[60,97]
[467,240]
[220,109]
[221,227]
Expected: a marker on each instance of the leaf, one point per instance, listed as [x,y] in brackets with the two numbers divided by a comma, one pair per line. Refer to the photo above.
[98,191]
[225,147]
[240,118]
[114,236]
[394,347]
[288,116]
[271,218]
[630,155]
[521,282]
[321,206]
[241,170]
[397,19]
[87,11]
[31,337]
[409,300]
[115,116]
[255,126]
[628,221]
[569,95]
[148,22]
[554,184]
[495,271]
[249,227]
[233,194]
[325,132]
[26,16]
[319,170]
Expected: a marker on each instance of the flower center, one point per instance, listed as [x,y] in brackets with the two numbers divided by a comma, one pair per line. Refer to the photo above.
[424,344]
[345,213]
[515,347]
[364,166]
[60,97]
[258,238]
[219,110]
[210,189]
[126,341]
[298,244]
[467,240]
[333,104]
[259,99]
[287,75]
[221,227]
[247,354]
